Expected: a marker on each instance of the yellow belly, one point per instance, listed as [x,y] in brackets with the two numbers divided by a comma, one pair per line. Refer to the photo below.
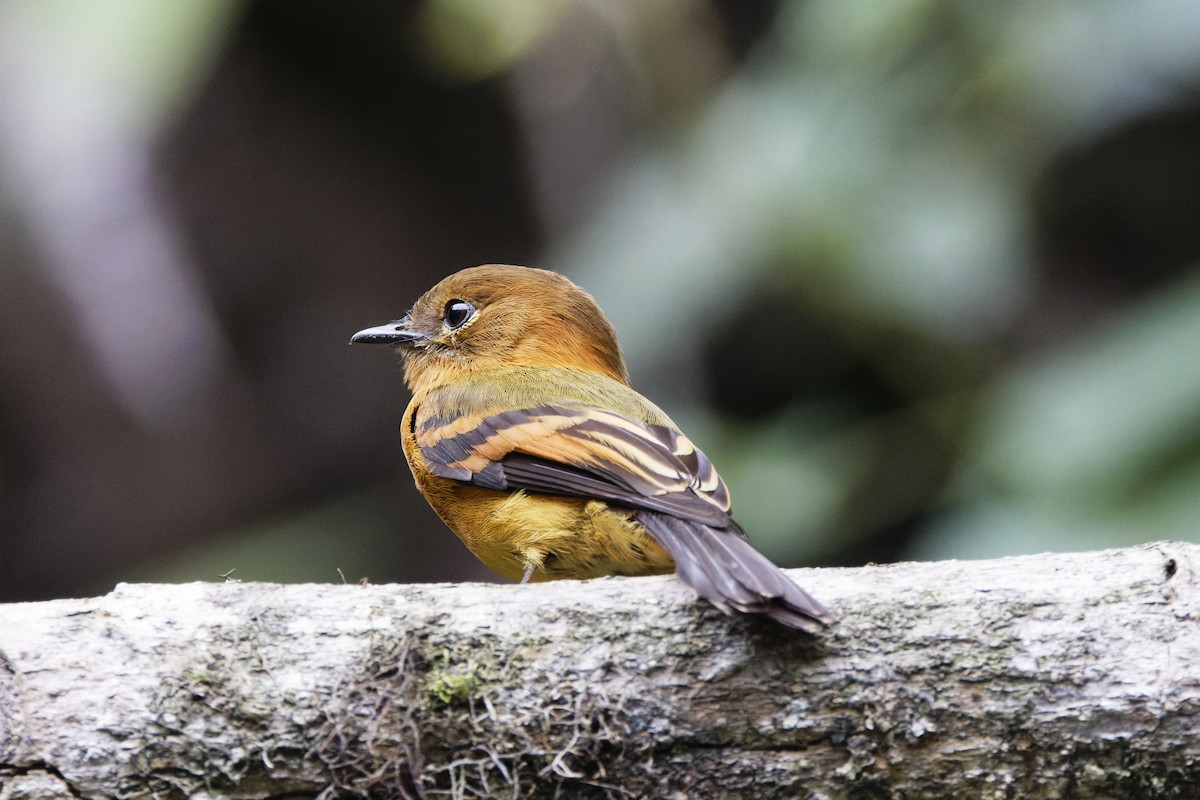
[560,537]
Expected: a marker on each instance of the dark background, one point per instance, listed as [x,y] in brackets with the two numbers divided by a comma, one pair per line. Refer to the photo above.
[919,277]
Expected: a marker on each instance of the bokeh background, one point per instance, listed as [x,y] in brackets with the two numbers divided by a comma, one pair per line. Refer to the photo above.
[920,276]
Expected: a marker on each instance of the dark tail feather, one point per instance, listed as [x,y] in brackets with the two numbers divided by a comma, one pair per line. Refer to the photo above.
[723,568]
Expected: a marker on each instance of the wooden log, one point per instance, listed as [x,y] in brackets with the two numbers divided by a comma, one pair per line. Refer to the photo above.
[1057,676]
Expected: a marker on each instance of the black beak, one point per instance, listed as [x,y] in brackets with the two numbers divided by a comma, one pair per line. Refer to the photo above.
[395,332]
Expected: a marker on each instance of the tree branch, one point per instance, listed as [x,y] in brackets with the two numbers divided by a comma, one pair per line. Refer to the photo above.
[1071,675]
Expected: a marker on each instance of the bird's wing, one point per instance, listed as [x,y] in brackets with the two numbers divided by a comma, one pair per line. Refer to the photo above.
[579,451]
[584,451]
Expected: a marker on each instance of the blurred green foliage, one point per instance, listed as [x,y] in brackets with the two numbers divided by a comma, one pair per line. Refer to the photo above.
[894,266]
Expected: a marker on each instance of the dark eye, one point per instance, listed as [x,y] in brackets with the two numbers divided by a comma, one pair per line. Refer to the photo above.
[456,313]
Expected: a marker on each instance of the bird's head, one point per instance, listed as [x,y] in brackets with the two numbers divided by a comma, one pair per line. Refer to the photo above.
[494,316]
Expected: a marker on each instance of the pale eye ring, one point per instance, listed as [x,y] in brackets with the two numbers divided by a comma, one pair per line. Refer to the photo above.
[456,313]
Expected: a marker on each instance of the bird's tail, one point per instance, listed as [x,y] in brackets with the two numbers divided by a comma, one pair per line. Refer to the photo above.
[723,568]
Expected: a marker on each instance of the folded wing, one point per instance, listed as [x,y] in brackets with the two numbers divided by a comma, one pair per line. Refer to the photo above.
[583,451]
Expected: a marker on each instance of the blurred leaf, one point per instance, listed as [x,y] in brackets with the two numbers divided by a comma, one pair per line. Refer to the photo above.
[1083,423]
[476,39]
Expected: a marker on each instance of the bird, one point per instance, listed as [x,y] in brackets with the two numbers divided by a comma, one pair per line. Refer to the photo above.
[524,435]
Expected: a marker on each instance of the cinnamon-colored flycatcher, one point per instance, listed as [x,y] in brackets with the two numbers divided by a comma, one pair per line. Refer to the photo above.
[525,437]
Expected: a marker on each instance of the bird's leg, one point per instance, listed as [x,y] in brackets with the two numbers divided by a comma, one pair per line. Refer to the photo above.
[528,573]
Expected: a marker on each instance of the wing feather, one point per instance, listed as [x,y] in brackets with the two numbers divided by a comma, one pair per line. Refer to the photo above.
[640,466]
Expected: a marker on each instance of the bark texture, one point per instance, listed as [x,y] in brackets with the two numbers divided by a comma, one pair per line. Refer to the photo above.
[1056,676]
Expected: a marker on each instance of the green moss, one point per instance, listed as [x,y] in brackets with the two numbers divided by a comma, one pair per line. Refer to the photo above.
[196,678]
[453,684]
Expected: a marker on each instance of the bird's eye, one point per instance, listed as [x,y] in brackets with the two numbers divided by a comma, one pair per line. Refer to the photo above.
[456,313]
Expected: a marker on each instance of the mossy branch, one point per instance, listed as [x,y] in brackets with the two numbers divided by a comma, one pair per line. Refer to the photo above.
[1071,675]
